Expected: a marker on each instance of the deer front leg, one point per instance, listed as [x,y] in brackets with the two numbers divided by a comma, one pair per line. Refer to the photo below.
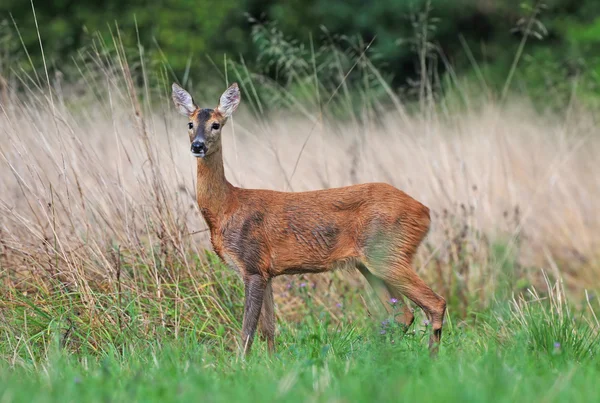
[255,286]
[267,318]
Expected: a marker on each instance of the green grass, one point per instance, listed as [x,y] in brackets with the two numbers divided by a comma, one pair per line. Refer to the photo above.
[497,357]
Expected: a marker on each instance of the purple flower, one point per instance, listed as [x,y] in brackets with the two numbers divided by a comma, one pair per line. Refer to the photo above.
[302,285]
[393,301]
[385,323]
[289,285]
[556,345]
[339,304]
[382,332]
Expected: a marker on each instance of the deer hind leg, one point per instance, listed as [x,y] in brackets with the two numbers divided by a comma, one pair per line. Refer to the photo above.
[403,278]
[388,253]
[408,317]
[385,294]
[267,318]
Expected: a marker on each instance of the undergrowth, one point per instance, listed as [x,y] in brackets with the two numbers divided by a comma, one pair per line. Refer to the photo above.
[501,357]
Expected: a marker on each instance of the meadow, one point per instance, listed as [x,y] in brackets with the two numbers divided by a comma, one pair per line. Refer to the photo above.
[109,291]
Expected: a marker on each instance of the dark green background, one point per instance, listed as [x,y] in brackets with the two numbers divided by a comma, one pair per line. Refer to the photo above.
[194,31]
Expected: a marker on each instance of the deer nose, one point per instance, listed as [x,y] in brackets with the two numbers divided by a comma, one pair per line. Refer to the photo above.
[198,147]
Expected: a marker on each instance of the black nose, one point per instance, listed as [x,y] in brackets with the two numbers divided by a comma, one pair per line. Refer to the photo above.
[198,147]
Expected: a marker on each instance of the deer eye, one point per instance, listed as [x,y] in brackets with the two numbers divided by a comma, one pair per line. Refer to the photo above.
[215,126]
[190,125]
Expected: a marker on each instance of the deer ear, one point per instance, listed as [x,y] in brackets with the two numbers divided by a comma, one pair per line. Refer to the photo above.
[183,100]
[229,100]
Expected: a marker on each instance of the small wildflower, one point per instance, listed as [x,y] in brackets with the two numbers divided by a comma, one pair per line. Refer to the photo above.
[556,345]
[385,323]
[393,301]
[289,285]
[302,285]
[382,332]
[339,304]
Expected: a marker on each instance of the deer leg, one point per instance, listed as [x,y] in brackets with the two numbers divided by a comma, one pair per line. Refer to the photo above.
[402,278]
[267,318]
[385,294]
[408,316]
[406,281]
[254,290]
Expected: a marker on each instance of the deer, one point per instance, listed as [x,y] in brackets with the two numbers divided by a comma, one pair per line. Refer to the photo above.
[262,234]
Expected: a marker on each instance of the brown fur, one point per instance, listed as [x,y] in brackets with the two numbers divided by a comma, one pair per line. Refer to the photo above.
[263,234]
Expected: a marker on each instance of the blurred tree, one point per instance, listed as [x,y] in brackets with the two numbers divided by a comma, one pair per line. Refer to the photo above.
[562,38]
[184,30]
[559,36]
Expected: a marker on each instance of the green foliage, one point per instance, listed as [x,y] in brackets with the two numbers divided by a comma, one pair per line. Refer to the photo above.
[552,328]
[480,40]
[181,33]
[467,36]
[488,360]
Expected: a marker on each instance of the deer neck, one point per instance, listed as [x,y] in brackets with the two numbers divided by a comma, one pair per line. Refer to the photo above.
[212,188]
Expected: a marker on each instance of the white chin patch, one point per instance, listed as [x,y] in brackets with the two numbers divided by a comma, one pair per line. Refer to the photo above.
[198,155]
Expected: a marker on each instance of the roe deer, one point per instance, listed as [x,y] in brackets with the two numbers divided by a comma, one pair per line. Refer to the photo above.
[263,234]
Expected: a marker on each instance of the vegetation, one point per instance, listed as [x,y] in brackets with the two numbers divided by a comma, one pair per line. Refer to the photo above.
[473,40]
[535,350]
[107,291]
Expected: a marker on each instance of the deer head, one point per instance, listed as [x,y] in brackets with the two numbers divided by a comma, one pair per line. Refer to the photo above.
[205,125]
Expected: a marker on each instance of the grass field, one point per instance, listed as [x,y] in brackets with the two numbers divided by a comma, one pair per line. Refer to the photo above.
[108,292]
[524,351]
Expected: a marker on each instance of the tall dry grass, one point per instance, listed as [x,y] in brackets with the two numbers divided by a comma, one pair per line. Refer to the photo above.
[99,230]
